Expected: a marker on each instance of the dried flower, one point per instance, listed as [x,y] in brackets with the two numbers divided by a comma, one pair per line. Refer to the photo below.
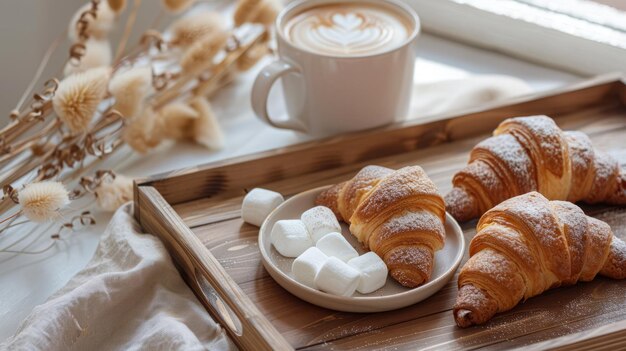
[251,57]
[42,201]
[68,127]
[188,29]
[78,96]
[177,6]
[98,27]
[117,5]
[256,11]
[194,122]
[175,121]
[206,129]
[97,54]
[130,89]
[111,193]
[203,50]
[140,134]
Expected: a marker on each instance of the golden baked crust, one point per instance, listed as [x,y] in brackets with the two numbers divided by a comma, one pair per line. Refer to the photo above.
[533,154]
[527,245]
[397,214]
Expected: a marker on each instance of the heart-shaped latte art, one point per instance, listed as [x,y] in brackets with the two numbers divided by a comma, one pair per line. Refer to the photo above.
[347,22]
[347,30]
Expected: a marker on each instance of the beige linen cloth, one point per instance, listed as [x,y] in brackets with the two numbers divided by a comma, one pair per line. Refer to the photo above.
[130,296]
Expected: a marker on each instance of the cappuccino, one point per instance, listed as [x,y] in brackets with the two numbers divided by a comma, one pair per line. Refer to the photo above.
[348,29]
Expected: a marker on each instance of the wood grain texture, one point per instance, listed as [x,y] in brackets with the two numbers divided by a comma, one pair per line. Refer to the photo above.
[585,315]
[440,162]
[607,337]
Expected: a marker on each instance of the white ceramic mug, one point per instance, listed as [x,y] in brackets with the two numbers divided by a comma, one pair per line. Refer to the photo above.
[328,94]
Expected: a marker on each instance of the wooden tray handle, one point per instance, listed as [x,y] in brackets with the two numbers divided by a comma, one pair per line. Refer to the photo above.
[221,295]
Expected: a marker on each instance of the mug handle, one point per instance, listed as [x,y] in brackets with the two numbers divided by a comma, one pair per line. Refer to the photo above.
[261,90]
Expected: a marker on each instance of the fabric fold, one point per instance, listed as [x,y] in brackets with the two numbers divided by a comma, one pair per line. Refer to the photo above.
[130,296]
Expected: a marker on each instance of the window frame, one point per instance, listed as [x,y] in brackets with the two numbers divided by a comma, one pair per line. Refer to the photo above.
[578,36]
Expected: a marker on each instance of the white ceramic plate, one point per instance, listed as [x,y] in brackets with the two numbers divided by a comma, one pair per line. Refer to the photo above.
[389,297]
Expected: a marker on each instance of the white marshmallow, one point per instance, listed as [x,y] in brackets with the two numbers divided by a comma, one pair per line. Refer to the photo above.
[335,245]
[290,237]
[258,204]
[306,266]
[320,221]
[337,277]
[373,272]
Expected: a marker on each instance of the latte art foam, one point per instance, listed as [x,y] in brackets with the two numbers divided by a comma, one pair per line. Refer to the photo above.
[346,29]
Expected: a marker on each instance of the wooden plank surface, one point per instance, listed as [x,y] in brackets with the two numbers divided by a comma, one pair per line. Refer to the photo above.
[440,162]
[429,324]
[207,199]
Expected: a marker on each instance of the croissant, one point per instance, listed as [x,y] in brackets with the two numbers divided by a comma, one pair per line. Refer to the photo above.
[527,245]
[532,154]
[399,215]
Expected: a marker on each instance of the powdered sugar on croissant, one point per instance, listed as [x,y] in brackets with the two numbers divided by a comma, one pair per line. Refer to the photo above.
[533,154]
[399,215]
[527,245]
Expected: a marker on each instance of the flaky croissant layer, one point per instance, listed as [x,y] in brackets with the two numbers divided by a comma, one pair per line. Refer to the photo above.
[527,245]
[399,215]
[533,154]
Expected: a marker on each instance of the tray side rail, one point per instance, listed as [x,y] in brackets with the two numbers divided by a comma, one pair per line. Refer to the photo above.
[220,295]
[220,177]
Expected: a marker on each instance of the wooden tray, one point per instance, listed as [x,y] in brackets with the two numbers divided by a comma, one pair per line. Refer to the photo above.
[196,212]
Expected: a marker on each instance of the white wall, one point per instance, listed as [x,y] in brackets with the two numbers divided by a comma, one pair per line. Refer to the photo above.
[27,27]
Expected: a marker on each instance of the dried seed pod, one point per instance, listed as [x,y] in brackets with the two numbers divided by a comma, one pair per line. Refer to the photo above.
[177,6]
[175,121]
[268,12]
[97,27]
[97,53]
[188,29]
[41,201]
[78,96]
[140,134]
[203,50]
[112,193]
[246,10]
[117,5]
[206,129]
[129,88]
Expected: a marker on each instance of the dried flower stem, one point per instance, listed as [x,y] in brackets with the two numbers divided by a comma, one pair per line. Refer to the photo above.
[32,164]
[217,71]
[42,65]
[7,249]
[72,176]
[49,129]
[220,70]
[11,217]
[23,124]
[20,172]
[132,16]
[11,224]
[39,110]
[29,252]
